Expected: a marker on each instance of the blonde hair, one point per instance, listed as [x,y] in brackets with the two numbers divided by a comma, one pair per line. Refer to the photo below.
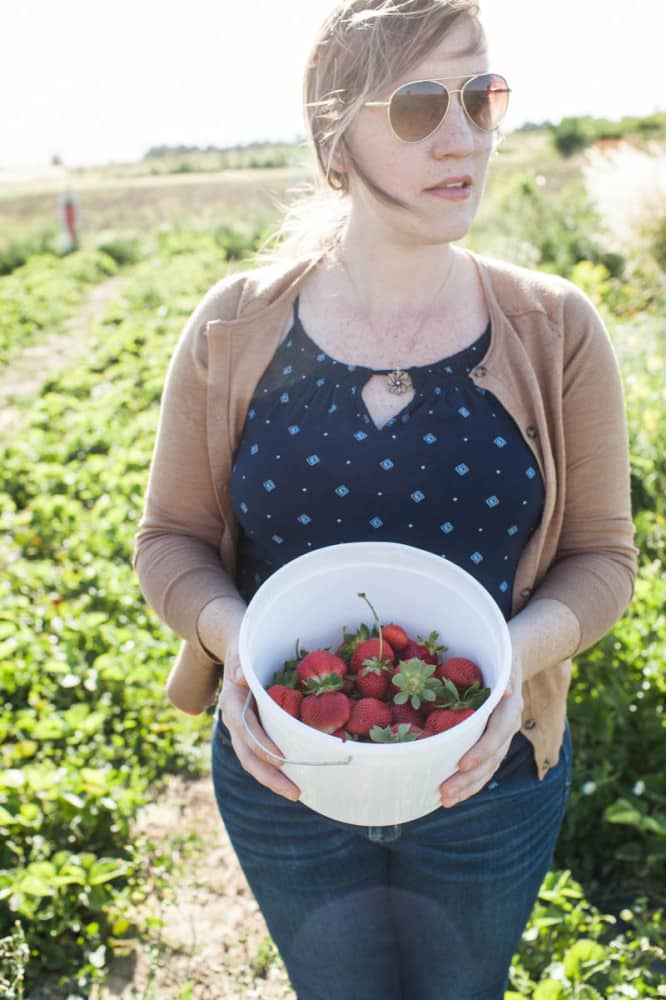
[361,48]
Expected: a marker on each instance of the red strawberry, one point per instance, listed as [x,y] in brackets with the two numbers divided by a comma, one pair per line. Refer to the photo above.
[369,650]
[372,683]
[461,671]
[396,636]
[327,712]
[341,734]
[445,718]
[287,698]
[366,713]
[321,670]
[425,649]
[405,713]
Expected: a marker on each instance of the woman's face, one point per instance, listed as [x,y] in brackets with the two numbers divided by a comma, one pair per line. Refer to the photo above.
[422,174]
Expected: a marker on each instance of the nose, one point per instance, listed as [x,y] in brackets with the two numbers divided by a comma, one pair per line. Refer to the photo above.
[456,134]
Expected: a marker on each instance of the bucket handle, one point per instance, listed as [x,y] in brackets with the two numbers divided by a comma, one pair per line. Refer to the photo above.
[284,760]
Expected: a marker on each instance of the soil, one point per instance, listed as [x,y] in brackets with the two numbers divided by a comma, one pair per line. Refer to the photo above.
[211,942]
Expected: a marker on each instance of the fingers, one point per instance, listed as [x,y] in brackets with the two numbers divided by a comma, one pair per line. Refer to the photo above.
[478,765]
[252,757]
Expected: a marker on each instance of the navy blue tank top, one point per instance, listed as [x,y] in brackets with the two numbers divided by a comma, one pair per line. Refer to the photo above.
[450,473]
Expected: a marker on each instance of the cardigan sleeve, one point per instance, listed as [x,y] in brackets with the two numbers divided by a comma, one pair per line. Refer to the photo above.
[176,553]
[595,565]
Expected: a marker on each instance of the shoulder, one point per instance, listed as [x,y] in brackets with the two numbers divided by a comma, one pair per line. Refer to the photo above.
[545,309]
[248,292]
[521,290]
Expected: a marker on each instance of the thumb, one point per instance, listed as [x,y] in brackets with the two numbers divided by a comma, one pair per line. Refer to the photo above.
[237,674]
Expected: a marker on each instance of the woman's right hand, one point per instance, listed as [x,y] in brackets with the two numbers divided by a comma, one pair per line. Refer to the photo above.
[230,703]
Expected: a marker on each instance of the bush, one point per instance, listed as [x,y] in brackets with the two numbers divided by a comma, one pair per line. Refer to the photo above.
[572,951]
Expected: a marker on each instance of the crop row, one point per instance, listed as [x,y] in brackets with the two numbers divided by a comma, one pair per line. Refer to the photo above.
[40,295]
[84,725]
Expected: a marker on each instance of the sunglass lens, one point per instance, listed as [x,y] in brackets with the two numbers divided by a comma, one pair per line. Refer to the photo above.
[486,99]
[417,109]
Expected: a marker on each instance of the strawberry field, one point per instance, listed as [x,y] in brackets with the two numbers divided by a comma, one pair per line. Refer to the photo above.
[86,735]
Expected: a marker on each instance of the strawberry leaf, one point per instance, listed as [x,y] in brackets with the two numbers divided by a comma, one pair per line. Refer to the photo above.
[323,683]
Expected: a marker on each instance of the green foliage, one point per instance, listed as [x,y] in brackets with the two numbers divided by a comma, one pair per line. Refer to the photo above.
[84,725]
[14,955]
[571,135]
[570,950]
[532,224]
[19,244]
[190,159]
[616,710]
[45,291]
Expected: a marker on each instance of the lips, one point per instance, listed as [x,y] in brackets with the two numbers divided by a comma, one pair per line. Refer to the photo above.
[452,184]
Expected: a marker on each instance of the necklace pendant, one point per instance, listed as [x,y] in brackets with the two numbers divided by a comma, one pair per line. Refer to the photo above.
[398,381]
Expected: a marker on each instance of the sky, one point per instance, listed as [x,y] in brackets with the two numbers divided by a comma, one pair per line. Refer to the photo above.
[98,82]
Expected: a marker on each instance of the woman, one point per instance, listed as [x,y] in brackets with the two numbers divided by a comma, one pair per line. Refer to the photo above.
[385,339]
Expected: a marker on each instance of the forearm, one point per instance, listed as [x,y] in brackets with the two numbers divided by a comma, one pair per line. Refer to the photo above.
[543,634]
[219,624]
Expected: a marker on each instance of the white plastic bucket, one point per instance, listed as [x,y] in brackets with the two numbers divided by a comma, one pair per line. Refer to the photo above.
[310,599]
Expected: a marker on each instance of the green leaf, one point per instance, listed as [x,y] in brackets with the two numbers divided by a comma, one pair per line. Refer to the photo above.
[549,989]
[581,956]
[106,870]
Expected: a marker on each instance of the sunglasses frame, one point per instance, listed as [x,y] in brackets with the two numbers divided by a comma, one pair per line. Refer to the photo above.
[442,82]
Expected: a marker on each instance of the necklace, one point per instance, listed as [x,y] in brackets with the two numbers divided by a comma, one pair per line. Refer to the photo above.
[397,379]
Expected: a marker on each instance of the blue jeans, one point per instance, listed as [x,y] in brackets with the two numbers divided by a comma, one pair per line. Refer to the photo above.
[428,910]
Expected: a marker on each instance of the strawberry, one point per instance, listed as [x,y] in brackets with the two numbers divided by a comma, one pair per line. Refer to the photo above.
[373,680]
[327,712]
[462,672]
[350,640]
[415,683]
[405,713]
[445,718]
[287,698]
[425,649]
[366,713]
[321,670]
[371,649]
[396,636]
[401,733]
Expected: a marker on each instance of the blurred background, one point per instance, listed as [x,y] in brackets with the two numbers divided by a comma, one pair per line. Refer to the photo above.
[147,150]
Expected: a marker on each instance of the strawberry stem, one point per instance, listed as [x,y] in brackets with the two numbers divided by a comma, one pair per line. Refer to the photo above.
[377,622]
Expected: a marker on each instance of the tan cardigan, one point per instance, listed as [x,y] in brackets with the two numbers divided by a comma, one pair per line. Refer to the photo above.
[550,363]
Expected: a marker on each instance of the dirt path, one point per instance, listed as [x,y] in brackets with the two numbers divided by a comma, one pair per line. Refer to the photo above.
[212,942]
[27,372]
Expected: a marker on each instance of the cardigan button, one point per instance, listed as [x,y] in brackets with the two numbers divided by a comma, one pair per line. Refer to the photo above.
[531,431]
[526,592]
[530,723]
[480,371]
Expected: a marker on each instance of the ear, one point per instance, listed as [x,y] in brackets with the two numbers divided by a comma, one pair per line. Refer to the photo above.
[335,157]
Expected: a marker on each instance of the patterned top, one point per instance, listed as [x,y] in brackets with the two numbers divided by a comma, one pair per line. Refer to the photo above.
[450,473]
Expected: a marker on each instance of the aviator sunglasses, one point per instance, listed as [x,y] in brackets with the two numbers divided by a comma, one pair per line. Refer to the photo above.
[417,109]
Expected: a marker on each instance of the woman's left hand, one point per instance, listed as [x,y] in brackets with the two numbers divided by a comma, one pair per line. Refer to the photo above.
[479,764]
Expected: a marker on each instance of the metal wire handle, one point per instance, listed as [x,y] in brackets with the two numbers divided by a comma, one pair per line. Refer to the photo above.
[285,760]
